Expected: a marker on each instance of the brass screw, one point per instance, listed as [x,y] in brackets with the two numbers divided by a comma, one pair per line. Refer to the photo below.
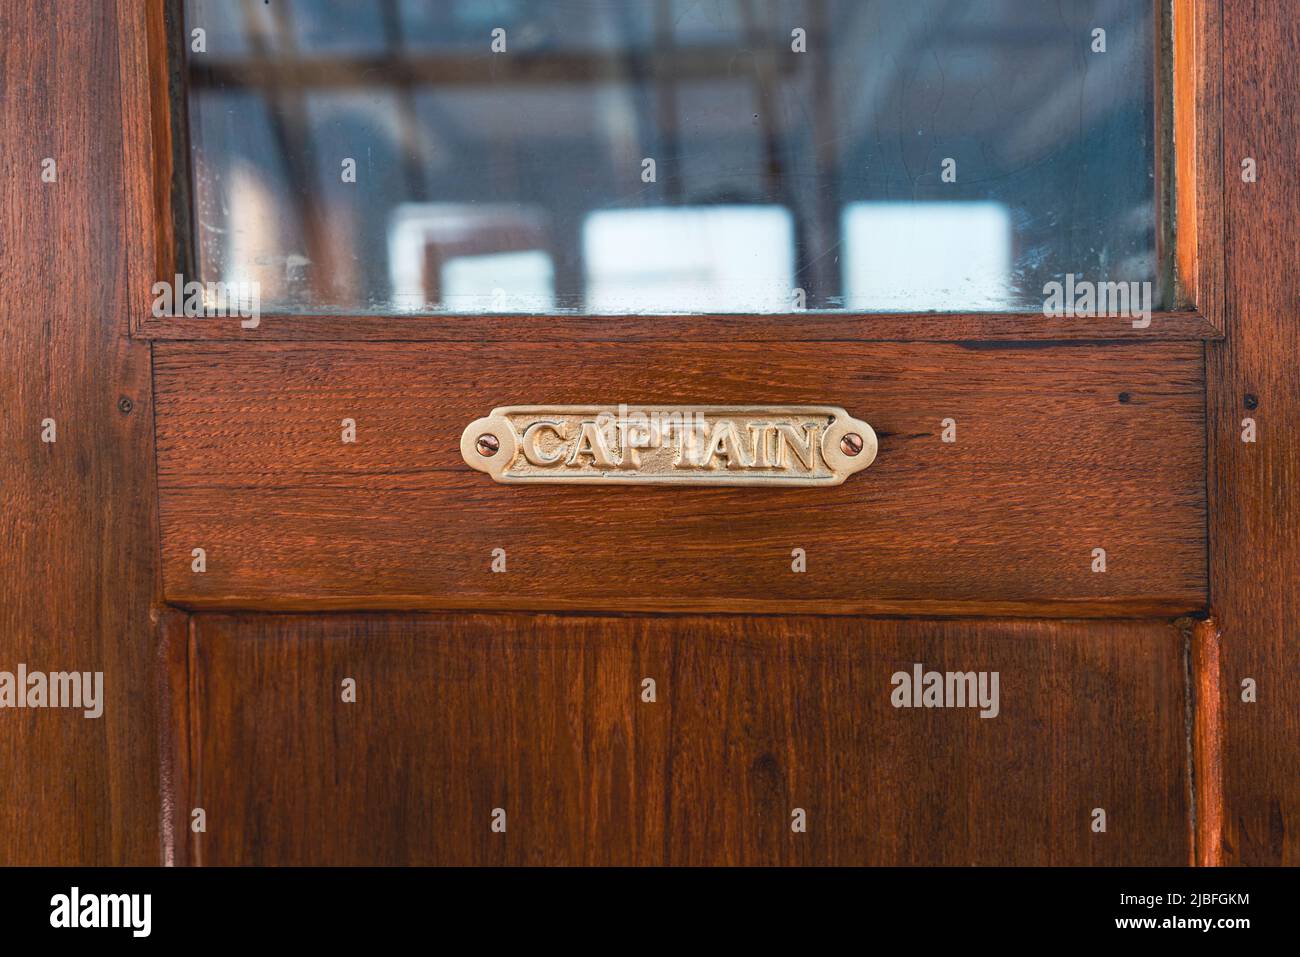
[851,444]
[488,445]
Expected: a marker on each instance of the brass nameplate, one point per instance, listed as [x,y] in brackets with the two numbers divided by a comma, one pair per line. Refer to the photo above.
[669,445]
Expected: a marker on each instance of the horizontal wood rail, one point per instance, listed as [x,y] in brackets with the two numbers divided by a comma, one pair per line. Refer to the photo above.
[794,327]
[1059,450]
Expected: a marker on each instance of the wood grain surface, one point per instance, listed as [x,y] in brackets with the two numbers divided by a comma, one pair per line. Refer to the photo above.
[78,530]
[795,327]
[174,685]
[1198,155]
[1255,373]
[1207,742]
[1059,450]
[542,716]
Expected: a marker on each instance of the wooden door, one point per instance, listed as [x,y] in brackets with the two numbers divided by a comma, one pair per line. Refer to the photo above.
[327,639]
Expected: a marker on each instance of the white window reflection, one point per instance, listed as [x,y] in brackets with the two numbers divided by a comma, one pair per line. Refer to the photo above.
[916,257]
[462,257]
[689,259]
[499,282]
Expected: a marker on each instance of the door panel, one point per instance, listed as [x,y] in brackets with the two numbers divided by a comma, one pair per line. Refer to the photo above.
[1059,450]
[542,716]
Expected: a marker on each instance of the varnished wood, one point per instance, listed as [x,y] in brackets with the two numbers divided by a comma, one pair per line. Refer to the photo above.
[1060,450]
[542,716]
[174,681]
[796,327]
[1198,155]
[1207,744]
[78,527]
[1255,487]
[146,152]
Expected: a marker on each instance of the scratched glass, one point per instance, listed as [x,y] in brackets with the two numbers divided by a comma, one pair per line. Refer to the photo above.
[670,156]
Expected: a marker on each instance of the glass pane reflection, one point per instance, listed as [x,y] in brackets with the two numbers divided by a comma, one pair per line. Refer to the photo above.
[662,156]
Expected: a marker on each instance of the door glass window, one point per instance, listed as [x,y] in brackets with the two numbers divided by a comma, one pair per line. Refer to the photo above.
[669,156]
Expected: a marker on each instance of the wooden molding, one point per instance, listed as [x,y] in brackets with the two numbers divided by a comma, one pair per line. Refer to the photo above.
[146,153]
[795,327]
[174,683]
[1207,745]
[1198,157]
